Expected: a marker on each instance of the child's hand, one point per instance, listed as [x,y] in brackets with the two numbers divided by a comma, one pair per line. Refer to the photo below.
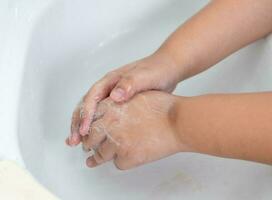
[156,72]
[136,132]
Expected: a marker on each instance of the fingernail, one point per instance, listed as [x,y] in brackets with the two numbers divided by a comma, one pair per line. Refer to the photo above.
[117,94]
[73,139]
[91,162]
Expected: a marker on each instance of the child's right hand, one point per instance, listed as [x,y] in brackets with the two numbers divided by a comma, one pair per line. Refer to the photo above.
[155,72]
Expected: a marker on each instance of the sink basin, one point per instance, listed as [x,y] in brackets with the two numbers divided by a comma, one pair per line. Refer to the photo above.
[74,43]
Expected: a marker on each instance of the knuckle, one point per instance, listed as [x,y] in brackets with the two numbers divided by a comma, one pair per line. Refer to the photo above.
[128,79]
[128,83]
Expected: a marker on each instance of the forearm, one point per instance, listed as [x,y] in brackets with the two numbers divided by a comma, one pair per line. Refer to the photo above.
[219,29]
[232,125]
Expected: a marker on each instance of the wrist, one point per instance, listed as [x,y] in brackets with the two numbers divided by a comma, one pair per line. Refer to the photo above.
[182,62]
[177,119]
[173,67]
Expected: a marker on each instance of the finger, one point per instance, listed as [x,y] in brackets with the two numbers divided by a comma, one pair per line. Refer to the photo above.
[132,82]
[121,163]
[74,138]
[91,162]
[124,159]
[121,160]
[85,145]
[67,141]
[101,109]
[125,163]
[105,152]
[96,136]
[98,92]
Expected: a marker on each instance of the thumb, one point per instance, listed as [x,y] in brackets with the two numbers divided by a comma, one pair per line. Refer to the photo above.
[137,80]
[124,90]
[126,87]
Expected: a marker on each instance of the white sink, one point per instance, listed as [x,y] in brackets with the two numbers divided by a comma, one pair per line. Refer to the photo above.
[62,48]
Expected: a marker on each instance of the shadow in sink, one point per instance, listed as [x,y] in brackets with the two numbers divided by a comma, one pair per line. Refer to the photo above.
[67,54]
